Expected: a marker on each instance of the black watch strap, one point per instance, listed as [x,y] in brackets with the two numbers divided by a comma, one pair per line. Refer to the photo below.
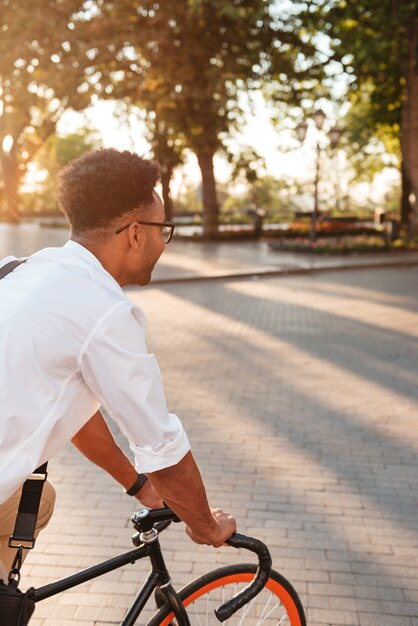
[138,484]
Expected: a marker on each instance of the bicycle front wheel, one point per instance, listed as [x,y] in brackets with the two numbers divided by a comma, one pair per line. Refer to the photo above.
[277,604]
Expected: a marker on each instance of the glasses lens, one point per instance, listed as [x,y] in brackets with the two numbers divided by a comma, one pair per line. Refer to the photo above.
[166,232]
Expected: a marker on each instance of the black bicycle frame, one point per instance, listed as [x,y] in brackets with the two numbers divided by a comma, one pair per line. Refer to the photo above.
[148,523]
[157,578]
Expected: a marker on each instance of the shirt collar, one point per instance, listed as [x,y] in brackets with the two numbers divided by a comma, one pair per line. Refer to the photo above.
[89,258]
[80,251]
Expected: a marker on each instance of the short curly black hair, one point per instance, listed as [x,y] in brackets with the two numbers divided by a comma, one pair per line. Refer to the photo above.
[102,185]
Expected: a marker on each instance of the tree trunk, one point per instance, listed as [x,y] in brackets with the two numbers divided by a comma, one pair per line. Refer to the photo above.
[406,208]
[166,175]
[409,124]
[210,201]
[10,191]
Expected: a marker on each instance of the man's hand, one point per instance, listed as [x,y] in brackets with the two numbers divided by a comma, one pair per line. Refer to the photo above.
[181,486]
[149,497]
[224,526]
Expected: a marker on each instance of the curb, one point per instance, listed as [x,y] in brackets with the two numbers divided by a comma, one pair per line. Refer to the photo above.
[287,271]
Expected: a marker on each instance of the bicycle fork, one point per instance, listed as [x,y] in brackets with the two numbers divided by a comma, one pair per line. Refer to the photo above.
[158,580]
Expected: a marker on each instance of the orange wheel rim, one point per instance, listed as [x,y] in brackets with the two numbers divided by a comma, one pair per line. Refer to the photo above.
[283,595]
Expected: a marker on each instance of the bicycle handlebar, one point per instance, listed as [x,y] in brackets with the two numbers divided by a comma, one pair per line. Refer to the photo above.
[146,519]
[225,611]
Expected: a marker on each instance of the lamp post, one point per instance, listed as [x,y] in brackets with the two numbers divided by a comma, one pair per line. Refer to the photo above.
[334,136]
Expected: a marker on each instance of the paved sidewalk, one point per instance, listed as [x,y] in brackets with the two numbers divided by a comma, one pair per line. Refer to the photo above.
[300,396]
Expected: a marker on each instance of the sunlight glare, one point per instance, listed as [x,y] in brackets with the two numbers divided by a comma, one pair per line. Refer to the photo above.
[7,144]
[33,177]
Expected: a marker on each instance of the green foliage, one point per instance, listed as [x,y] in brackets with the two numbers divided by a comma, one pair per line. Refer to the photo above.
[374,43]
[369,144]
[368,39]
[186,64]
[189,201]
[369,43]
[57,151]
[40,76]
[277,197]
[61,149]
[246,165]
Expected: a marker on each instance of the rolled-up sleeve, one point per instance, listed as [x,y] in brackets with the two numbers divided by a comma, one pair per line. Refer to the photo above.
[127,381]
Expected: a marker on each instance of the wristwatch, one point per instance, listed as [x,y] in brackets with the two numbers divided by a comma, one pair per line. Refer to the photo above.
[138,484]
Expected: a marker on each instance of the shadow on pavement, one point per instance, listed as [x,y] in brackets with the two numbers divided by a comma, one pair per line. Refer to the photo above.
[251,340]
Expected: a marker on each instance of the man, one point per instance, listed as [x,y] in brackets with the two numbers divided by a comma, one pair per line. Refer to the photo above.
[71,341]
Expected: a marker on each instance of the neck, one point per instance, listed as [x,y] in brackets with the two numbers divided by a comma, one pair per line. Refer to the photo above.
[111,262]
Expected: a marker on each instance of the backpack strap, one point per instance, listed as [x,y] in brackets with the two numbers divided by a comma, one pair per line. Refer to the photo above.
[30,499]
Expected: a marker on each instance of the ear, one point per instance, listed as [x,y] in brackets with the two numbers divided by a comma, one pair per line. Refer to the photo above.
[135,235]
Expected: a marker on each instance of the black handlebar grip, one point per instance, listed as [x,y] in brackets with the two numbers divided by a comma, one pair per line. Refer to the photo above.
[225,611]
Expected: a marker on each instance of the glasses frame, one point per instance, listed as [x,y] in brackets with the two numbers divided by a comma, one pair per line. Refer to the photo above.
[160,224]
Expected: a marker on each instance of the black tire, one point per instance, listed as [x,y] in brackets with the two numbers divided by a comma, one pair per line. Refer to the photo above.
[206,593]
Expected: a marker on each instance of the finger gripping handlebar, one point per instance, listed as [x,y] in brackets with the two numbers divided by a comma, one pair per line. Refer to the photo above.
[225,611]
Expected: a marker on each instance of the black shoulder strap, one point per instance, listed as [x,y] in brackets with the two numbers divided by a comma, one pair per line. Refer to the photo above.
[10,266]
[27,514]
[30,499]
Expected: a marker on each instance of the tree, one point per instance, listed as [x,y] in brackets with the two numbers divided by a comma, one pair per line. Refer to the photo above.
[168,148]
[57,151]
[376,42]
[39,78]
[247,165]
[188,62]
[372,145]
[280,198]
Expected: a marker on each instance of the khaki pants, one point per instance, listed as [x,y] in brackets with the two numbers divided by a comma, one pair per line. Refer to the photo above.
[8,511]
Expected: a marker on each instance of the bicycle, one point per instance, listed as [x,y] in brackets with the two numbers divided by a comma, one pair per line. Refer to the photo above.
[268,598]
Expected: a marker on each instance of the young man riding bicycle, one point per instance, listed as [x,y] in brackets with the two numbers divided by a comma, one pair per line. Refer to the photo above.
[72,341]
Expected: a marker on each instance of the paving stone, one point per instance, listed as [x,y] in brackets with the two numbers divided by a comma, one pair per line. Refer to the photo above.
[376,619]
[331,590]
[332,617]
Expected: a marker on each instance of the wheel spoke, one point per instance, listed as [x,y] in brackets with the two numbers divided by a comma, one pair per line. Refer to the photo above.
[197,614]
[282,620]
[246,610]
[264,610]
[270,612]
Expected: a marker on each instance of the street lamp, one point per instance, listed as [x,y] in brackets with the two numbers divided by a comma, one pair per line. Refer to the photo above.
[334,135]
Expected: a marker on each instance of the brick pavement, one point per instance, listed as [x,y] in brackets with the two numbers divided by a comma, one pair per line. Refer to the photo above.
[300,396]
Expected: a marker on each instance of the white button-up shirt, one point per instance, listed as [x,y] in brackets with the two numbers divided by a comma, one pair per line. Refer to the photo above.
[71,341]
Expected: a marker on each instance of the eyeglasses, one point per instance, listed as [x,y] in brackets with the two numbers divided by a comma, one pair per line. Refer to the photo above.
[167,228]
